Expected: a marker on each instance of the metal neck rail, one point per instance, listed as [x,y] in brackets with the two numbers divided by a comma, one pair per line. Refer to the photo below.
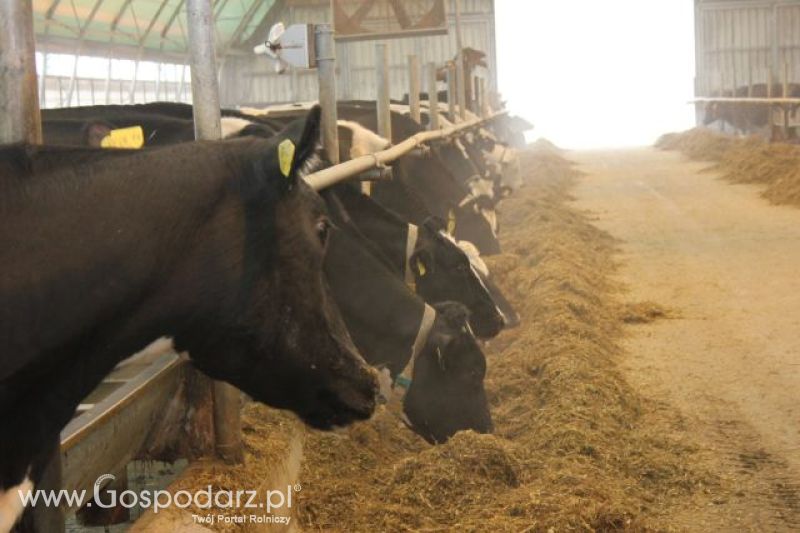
[333,175]
[746,100]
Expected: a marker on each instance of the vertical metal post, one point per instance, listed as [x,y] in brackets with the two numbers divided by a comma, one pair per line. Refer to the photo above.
[770,84]
[202,58]
[182,84]
[108,81]
[433,97]
[20,120]
[483,101]
[451,91]
[158,81]
[460,67]
[785,79]
[775,47]
[384,96]
[205,95]
[325,50]
[134,81]
[413,87]
[785,108]
[476,96]
[43,81]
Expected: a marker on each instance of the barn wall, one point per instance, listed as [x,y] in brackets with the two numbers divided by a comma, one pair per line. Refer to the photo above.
[252,81]
[742,40]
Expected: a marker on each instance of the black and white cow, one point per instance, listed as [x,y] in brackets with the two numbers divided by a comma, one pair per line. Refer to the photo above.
[219,245]
[423,256]
[429,351]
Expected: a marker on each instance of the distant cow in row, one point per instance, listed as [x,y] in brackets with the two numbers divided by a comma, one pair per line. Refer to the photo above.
[748,117]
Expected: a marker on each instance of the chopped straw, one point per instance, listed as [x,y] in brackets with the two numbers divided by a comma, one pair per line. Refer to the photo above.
[575,446]
[776,166]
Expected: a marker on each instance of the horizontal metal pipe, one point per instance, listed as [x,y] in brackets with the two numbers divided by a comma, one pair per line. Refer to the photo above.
[791,101]
[335,174]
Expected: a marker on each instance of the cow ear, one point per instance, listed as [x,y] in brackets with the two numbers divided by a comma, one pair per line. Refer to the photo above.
[298,148]
[435,224]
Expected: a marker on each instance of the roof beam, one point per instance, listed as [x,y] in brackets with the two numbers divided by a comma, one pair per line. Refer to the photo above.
[153,21]
[118,16]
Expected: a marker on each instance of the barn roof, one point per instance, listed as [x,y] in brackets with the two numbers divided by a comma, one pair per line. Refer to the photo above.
[141,28]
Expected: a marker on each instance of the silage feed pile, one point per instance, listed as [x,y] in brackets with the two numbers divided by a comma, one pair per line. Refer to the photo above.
[744,160]
[575,448]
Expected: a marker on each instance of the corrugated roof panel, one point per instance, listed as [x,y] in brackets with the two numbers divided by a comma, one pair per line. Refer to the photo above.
[152,25]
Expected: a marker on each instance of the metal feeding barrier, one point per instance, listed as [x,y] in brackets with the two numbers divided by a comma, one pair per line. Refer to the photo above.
[337,173]
[117,421]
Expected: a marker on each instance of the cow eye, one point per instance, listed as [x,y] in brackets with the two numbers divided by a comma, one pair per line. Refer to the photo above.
[323,230]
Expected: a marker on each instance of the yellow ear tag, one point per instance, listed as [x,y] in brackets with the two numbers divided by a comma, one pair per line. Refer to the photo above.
[131,138]
[286,156]
[451,223]
[421,268]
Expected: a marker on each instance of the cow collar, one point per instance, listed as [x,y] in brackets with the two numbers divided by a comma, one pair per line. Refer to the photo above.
[403,379]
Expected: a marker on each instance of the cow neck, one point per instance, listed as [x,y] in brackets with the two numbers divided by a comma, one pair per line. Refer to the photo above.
[382,228]
[403,380]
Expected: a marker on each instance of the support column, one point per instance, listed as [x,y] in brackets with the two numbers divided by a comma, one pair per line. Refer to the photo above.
[413,87]
[433,97]
[326,72]
[383,96]
[20,120]
[207,125]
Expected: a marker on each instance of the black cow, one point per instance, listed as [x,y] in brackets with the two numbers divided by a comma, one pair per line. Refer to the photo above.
[158,130]
[219,245]
[430,352]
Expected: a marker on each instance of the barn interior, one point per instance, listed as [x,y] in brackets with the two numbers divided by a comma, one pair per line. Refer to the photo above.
[618,181]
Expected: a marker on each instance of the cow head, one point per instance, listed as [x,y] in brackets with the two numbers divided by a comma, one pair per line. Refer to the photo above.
[443,272]
[284,342]
[446,392]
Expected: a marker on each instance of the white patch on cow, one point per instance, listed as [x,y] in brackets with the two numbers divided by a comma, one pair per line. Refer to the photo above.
[365,141]
[480,269]
[312,164]
[460,146]
[481,187]
[233,125]
[402,109]
[474,256]
[11,506]
[411,245]
[491,217]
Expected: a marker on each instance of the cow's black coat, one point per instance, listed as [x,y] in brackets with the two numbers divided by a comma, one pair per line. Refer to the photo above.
[104,251]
